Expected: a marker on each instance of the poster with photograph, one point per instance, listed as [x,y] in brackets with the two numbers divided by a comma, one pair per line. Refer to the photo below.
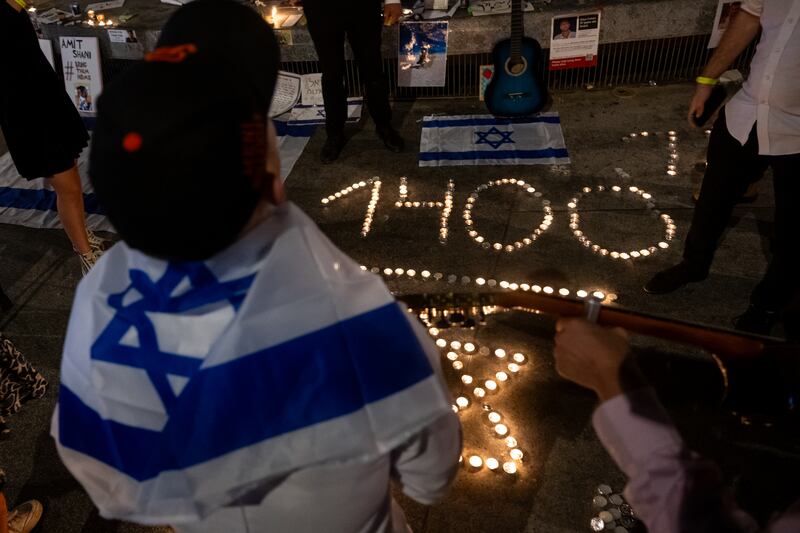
[83,79]
[422,54]
[574,40]
[726,10]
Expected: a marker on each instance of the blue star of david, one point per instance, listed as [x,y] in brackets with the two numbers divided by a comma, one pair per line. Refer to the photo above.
[505,137]
[320,112]
[156,297]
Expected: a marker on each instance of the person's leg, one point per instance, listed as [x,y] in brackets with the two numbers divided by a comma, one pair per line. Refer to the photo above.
[779,289]
[328,34]
[69,195]
[731,169]
[364,33]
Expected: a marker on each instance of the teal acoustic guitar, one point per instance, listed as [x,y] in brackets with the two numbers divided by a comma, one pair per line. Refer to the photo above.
[515,89]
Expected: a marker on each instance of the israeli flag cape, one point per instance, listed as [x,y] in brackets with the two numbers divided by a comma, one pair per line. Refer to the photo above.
[185,387]
[488,140]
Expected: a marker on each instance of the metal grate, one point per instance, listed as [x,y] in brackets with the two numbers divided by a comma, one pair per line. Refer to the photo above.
[633,62]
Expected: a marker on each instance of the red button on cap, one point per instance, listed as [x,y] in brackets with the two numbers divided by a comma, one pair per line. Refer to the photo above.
[132,142]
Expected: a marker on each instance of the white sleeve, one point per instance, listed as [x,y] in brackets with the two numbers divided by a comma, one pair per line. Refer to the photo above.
[387,2]
[425,466]
[754,7]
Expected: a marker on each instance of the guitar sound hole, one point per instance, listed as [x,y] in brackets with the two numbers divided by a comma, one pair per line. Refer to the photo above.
[516,67]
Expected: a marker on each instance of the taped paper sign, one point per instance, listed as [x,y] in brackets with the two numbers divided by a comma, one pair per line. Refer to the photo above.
[574,41]
[83,80]
[311,89]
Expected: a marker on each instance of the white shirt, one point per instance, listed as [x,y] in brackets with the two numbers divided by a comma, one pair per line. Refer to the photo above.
[770,98]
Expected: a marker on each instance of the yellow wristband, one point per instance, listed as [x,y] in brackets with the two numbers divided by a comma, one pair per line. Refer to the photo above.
[22,4]
[702,80]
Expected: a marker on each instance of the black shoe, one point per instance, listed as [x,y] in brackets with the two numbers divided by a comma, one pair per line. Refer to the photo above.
[756,319]
[674,278]
[332,148]
[391,139]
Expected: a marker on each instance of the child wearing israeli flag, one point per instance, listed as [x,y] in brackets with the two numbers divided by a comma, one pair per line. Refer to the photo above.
[226,367]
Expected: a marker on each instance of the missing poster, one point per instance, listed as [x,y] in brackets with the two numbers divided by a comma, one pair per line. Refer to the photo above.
[422,54]
[726,10]
[80,60]
[574,40]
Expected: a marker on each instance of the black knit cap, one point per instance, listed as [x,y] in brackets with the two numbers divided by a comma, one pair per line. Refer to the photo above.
[178,157]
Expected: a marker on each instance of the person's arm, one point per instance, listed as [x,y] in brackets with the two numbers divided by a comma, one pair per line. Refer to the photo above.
[739,34]
[426,465]
[392,11]
[17,5]
[669,488]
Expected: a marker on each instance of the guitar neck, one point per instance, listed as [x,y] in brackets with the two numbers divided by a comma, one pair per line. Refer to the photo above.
[721,342]
[517,29]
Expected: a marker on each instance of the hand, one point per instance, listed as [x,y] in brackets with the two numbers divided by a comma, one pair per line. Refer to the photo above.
[591,355]
[17,7]
[392,14]
[698,103]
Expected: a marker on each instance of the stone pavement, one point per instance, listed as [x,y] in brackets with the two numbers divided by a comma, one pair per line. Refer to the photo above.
[563,461]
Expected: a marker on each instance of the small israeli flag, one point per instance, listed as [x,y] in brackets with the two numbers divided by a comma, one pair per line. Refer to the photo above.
[301,115]
[488,140]
[186,386]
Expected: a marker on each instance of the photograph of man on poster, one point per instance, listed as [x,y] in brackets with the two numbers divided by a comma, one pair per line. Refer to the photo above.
[83,98]
[565,28]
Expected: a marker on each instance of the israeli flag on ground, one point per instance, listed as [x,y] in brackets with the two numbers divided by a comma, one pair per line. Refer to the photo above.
[292,140]
[186,386]
[33,203]
[488,140]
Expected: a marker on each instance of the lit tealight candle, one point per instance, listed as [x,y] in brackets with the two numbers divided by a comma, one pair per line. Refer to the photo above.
[599,295]
[518,358]
[466,379]
[509,467]
[500,353]
[479,392]
[469,347]
[462,402]
[492,463]
[455,345]
[458,365]
[441,343]
[480,281]
[501,429]
[582,294]
[516,454]
[494,417]
[433,331]
[563,292]
[511,442]
[452,356]
[548,290]
[513,368]
[475,461]
[425,274]
[501,376]
[490,385]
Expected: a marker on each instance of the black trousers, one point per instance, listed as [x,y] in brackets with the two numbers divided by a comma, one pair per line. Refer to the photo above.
[731,169]
[329,22]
